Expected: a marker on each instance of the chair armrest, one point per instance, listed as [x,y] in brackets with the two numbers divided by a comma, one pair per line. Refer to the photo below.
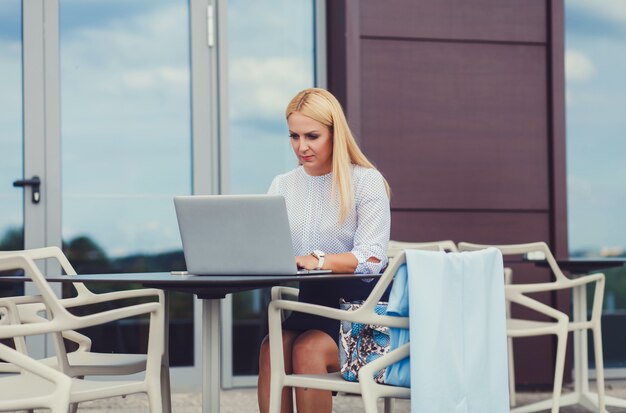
[114,315]
[556,285]
[280,292]
[356,316]
[537,306]
[93,298]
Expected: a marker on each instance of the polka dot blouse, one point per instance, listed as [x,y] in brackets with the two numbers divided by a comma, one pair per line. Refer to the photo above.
[314,215]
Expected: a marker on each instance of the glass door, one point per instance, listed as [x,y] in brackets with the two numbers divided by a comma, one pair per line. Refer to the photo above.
[274,50]
[126,149]
[11,133]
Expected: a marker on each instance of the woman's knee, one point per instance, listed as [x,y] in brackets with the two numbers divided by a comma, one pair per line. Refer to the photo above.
[265,353]
[313,353]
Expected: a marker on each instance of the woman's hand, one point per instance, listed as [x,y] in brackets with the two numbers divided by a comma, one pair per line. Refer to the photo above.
[344,263]
[306,262]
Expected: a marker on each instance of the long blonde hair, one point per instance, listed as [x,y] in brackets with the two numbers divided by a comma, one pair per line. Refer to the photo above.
[321,106]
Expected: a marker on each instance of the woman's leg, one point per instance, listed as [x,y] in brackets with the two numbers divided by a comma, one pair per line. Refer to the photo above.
[314,352]
[263,391]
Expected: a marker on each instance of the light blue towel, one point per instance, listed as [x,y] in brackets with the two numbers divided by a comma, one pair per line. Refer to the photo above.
[457,332]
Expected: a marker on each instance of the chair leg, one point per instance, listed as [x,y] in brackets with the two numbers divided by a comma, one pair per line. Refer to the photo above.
[276,391]
[370,402]
[166,391]
[389,404]
[599,356]
[73,408]
[512,397]
[558,369]
[155,401]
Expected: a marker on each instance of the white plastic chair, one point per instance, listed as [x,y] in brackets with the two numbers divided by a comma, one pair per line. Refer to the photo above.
[395,247]
[83,362]
[516,293]
[35,386]
[365,314]
[508,279]
[59,320]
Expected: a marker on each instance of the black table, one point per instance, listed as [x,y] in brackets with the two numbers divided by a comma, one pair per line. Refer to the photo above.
[584,265]
[578,266]
[210,289]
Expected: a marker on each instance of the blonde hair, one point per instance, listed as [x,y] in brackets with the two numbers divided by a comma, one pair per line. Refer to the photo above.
[321,106]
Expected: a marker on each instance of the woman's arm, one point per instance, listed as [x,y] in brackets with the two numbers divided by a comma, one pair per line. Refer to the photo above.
[338,263]
[374,221]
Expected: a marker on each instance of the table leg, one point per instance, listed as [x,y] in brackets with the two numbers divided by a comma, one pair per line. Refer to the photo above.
[166,392]
[581,363]
[211,356]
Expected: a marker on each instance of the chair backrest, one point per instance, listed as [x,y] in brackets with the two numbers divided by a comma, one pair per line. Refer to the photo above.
[522,249]
[51,253]
[385,280]
[59,319]
[395,247]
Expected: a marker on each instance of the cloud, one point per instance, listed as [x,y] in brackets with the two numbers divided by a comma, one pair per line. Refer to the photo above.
[578,67]
[610,10]
[162,77]
[125,105]
[268,83]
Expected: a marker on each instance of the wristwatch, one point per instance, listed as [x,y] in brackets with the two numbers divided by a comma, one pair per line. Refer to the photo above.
[320,255]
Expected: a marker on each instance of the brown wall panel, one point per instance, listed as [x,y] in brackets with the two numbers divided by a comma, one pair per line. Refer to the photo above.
[510,20]
[477,227]
[460,103]
[457,125]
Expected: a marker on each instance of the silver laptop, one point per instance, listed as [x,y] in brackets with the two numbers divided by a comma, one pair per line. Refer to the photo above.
[236,235]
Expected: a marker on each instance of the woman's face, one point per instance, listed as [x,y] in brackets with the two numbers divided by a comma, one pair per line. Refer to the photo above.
[312,143]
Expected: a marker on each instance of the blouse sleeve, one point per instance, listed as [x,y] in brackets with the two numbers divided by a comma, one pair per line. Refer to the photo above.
[374,222]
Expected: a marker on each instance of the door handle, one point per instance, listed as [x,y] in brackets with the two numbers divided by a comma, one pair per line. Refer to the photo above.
[35,184]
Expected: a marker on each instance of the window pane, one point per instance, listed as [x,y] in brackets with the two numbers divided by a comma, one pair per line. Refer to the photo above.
[126,140]
[271,58]
[596,126]
[11,134]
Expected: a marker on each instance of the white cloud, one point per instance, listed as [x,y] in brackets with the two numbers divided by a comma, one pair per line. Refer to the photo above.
[611,10]
[578,67]
[161,77]
[271,83]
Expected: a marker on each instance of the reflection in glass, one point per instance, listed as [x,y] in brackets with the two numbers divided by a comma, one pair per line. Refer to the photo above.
[11,156]
[595,39]
[271,58]
[126,142]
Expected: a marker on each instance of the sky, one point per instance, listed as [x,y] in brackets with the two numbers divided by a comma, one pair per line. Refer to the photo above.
[125,110]
[595,59]
[125,113]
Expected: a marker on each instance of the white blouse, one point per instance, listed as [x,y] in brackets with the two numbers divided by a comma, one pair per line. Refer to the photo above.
[314,215]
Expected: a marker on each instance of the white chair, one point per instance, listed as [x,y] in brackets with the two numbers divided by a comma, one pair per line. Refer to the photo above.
[508,279]
[331,381]
[395,247]
[58,319]
[444,281]
[365,314]
[516,293]
[83,362]
[34,386]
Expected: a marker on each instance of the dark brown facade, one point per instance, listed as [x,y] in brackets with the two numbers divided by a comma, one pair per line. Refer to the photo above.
[460,104]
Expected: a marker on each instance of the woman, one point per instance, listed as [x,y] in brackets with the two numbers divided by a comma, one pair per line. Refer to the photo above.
[338,207]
